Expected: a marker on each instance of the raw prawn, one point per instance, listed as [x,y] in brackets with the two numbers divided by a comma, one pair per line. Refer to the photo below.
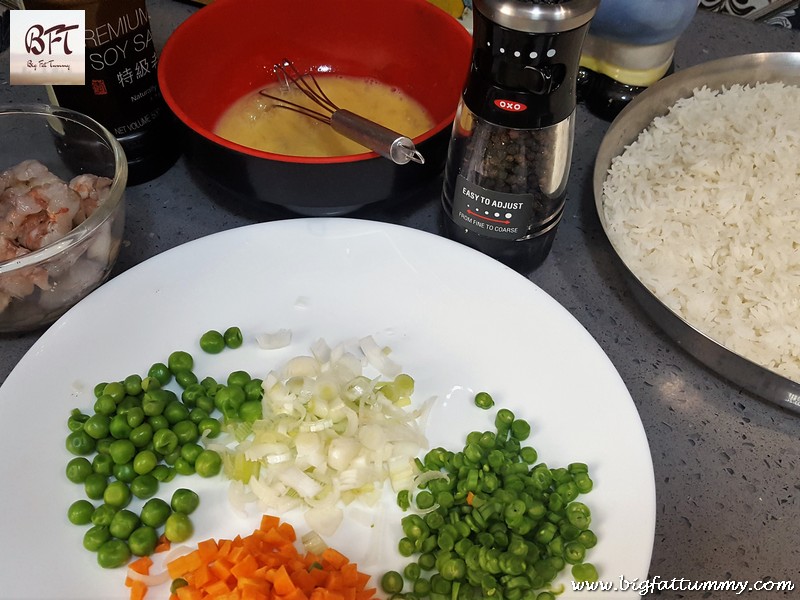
[18,284]
[93,191]
[37,208]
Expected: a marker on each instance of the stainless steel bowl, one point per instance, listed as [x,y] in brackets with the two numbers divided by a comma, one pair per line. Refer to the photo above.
[655,102]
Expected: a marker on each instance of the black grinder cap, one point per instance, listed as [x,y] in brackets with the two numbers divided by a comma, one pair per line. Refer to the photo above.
[525,59]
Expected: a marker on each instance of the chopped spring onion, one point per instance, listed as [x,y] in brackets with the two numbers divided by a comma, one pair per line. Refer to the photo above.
[277,339]
[329,434]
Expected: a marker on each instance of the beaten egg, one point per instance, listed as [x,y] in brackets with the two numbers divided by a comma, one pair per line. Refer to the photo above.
[259,122]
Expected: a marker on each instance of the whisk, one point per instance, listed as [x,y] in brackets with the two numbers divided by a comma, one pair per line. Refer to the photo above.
[369,134]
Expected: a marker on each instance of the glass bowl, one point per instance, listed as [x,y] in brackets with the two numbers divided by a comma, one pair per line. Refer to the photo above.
[52,254]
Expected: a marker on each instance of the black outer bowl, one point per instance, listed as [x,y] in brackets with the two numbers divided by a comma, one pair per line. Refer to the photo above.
[327,189]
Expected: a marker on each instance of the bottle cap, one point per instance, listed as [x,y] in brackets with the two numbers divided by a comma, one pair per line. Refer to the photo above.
[538,16]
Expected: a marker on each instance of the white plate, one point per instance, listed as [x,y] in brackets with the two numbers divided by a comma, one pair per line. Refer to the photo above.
[457,321]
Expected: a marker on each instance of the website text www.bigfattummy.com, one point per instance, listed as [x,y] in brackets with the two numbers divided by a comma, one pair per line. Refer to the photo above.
[658,584]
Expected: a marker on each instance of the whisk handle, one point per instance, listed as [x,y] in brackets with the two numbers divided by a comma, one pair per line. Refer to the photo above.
[376,137]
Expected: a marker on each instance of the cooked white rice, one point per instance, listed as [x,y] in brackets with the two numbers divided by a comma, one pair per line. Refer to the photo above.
[704,207]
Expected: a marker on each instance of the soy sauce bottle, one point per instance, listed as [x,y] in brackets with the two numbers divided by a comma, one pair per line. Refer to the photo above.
[511,147]
[121,90]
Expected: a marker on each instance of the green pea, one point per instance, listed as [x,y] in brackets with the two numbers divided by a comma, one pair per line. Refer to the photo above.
[103,515]
[145,461]
[184,501]
[98,389]
[158,422]
[135,416]
[97,426]
[123,524]
[210,427]
[113,554]
[186,432]
[185,378]
[154,402]
[212,342]
[78,469]
[178,527]
[76,420]
[175,412]
[183,466]
[122,451]
[163,473]
[191,393]
[94,485]
[253,390]
[115,389]
[229,399]
[233,337]
[80,512]
[206,403]
[210,384]
[180,361]
[105,405]
[80,443]
[104,445]
[144,486]
[154,512]
[103,464]
[124,473]
[196,415]
[133,385]
[160,372]
[239,379]
[143,540]
[165,441]
[151,383]
[119,428]
[95,537]
[142,435]
[208,463]
[190,452]
[117,494]
[250,411]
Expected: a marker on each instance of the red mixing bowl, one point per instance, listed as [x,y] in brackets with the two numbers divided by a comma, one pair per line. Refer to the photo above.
[228,49]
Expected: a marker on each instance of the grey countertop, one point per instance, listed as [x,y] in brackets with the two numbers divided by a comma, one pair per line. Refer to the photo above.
[727,464]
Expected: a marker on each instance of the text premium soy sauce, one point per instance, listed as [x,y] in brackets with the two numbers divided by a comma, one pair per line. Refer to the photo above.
[511,146]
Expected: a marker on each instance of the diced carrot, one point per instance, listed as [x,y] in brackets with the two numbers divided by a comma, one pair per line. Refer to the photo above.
[217,589]
[221,568]
[245,567]
[283,584]
[333,557]
[207,549]
[163,544]
[188,593]
[138,590]
[141,565]
[183,564]
[269,522]
[470,496]
[265,565]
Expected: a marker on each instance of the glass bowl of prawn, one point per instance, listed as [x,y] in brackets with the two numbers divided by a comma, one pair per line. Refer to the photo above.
[62,211]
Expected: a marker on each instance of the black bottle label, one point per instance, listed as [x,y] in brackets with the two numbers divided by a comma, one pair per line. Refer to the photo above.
[121,88]
[490,213]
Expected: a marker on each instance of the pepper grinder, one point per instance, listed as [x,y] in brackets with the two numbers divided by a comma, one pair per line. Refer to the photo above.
[511,145]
